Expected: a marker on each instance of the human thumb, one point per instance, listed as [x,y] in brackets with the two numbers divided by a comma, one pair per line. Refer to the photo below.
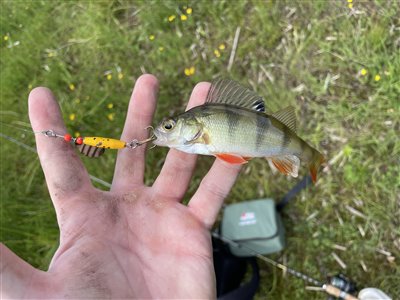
[17,277]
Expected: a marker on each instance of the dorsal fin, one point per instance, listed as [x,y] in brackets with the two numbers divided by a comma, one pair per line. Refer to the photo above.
[287,117]
[230,92]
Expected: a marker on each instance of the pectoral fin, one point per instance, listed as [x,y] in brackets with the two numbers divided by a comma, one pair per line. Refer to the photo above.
[288,164]
[232,159]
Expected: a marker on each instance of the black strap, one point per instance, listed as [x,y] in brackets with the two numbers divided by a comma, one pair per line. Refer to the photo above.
[305,182]
[247,290]
[230,271]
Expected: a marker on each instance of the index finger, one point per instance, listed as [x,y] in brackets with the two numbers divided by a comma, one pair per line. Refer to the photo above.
[64,171]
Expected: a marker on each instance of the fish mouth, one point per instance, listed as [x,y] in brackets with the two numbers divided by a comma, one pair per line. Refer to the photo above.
[166,140]
[160,138]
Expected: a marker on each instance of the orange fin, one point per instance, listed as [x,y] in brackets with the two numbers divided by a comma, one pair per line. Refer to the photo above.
[315,164]
[231,158]
[313,172]
[288,164]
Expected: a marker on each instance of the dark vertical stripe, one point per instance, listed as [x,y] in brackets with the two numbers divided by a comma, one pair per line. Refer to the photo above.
[262,127]
[286,138]
[233,123]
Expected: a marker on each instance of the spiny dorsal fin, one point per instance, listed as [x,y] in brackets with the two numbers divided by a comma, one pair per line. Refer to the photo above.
[287,117]
[230,92]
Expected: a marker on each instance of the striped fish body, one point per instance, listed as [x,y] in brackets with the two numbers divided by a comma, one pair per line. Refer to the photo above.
[238,131]
[233,126]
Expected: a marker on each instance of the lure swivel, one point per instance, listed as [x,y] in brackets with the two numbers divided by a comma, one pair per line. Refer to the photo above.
[49,133]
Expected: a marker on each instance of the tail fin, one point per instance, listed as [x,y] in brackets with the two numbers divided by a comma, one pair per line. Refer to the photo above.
[316,162]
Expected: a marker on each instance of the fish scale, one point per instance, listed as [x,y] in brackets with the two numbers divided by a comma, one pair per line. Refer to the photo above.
[237,139]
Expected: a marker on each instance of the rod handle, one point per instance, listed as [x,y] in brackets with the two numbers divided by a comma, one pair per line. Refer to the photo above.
[334,291]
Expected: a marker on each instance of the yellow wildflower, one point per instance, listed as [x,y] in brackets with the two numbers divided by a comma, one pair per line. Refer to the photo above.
[6,37]
[77,100]
[109,76]
[161,49]
[190,71]
[71,86]
[120,75]
[183,17]
[72,117]
[51,54]
[151,37]
[110,105]
[171,18]
[77,133]
[377,77]
[217,53]
[363,72]
[110,116]
[30,86]
[350,5]
[221,47]
[349,1]
[189,10]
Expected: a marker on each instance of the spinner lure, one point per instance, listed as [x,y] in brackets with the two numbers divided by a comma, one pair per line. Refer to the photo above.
[95,146]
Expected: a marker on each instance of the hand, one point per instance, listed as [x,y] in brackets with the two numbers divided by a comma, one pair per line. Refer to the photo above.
[133,241]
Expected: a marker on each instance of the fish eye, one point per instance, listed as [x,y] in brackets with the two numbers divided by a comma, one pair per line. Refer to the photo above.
[169,124]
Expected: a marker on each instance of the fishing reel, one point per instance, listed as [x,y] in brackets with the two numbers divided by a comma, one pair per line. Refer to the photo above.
[344,284]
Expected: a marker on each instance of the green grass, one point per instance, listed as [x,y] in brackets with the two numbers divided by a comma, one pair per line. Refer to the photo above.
[306,54]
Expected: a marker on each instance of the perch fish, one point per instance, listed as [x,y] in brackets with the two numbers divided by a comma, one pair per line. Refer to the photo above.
[233,126]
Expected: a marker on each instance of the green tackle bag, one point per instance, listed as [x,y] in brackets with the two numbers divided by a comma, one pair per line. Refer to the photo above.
[255,226]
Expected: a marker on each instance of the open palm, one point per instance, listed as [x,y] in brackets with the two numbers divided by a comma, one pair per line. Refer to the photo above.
[133,241]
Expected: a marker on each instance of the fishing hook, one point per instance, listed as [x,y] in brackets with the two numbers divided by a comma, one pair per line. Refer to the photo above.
[136,143]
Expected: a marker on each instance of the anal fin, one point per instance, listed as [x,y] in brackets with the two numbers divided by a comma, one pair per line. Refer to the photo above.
[288,164]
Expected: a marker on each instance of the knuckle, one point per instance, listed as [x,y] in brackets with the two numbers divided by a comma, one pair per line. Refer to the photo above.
[216,190]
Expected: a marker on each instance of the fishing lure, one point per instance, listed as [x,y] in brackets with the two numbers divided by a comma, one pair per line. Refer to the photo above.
[95,146]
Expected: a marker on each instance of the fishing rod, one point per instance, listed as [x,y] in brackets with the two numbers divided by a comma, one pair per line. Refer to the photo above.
[339,286]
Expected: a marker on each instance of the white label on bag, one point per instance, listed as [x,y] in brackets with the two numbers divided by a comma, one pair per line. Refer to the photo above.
[247,218]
